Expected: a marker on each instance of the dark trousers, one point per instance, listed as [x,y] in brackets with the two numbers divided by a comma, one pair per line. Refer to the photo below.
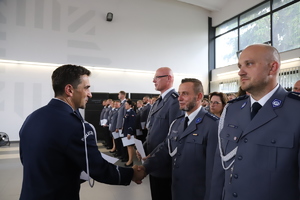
[107,137]
[160,188]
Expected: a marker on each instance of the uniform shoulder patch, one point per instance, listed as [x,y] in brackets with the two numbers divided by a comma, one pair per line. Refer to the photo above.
[239,98]
[212,116]
[174,95]
[294,95]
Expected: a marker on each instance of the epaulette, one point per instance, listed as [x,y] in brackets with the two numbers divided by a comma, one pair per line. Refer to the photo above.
[174,95]
[294,95]
[212,116]
[239,98]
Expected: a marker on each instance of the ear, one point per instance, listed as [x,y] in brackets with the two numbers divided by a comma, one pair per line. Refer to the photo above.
[200,96]
[69,90]
[274,68]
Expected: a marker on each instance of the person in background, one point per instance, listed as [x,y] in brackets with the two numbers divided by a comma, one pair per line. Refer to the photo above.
[57,145]
[162,114]
[231,96]
[129,129]
[217,102]
[296,87]
[205,104]
[138,127]
[144,115]
[190,146]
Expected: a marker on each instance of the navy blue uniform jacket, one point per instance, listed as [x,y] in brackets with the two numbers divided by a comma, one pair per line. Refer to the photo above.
[53,155]
[193,163]
[161,117]
[267,162]
[129,123]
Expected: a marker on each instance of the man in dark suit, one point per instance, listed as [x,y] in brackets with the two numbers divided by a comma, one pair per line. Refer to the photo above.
[162,114]
[57,145]
[259,134]
[190,145]
[144,115]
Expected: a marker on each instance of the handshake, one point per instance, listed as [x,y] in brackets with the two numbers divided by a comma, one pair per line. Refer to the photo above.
[139,171]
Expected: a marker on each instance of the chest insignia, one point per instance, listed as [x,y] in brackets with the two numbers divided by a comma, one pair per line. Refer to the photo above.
[276,103]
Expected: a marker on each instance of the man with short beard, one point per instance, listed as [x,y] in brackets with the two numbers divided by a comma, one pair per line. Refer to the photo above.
[190,148]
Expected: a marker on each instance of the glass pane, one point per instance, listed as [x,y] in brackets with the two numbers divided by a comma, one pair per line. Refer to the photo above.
[286,28]
[226,48]
[255,32]
[254,13]
[227,26]
[278,3]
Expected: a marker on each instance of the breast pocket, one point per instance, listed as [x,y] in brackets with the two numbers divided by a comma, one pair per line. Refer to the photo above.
[230,136]
[272,148]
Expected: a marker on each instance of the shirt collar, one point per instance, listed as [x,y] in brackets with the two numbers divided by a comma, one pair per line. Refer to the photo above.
[265,98]
[193,115]
[166,92]
[64,102]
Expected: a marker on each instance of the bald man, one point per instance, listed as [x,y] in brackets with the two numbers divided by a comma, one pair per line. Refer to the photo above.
[296,87]
[259,134]
[162,114]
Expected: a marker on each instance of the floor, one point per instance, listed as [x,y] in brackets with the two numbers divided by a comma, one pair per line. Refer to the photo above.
[11,179]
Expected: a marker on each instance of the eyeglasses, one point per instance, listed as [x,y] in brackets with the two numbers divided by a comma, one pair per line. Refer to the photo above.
[157,77]
[215,102]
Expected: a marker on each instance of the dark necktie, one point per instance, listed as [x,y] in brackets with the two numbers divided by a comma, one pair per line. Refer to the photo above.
[255,108]
[159,100]
[186,120]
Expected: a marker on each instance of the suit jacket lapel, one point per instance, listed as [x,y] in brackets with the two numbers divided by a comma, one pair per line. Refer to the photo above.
[267,112]
[161,104]
[192,126]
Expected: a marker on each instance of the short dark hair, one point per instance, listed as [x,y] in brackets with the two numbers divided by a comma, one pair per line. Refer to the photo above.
[67,74]
[122,92]
[130,102]
[198,87]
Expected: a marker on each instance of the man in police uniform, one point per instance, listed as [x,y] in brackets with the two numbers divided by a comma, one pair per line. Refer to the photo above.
[57,145]
[162,114]
[260,156]
[190,146]
[296,87]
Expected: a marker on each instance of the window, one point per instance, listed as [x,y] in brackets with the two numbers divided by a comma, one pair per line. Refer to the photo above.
[227,26]
[278,3]
[226,48]
[228,86]
[255,13]
[278,25]
[286,28]
[255,32]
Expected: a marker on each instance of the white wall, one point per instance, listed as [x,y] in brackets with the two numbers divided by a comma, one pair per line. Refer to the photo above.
[144,35]
[25,88]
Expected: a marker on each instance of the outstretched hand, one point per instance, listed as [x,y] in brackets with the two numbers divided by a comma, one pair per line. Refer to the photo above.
[139,174]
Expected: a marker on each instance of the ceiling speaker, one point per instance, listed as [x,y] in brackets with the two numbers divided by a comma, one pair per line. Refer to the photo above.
[109,17]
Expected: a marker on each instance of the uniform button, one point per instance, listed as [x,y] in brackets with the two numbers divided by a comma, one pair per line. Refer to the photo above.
[236,176]
[180,142]
[228,135]
[234,194]
[273,141]
[179,154]
[240,157]
[245,140]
